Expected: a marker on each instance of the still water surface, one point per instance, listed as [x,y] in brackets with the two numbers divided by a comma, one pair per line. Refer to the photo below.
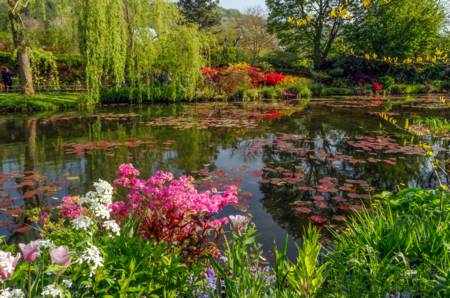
[295,165]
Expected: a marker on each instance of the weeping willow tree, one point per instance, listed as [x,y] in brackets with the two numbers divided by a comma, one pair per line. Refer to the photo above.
[102,42]
[139,44]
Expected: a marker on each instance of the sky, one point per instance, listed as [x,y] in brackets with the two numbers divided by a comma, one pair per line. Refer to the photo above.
[242,4]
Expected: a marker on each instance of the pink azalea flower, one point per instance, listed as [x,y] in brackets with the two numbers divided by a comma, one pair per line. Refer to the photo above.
[7,264]
[173,209]
[30,251]
[61,256]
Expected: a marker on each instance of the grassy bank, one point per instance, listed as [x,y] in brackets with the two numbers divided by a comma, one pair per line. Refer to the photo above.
[14,102]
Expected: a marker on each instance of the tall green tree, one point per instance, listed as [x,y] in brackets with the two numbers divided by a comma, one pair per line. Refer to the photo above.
[202,12]
[397,28]
[139,43]
[16,12]
[311,26]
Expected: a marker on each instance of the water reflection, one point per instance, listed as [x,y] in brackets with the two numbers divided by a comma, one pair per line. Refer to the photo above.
[294,166]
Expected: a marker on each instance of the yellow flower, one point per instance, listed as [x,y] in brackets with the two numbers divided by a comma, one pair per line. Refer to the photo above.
[366,3]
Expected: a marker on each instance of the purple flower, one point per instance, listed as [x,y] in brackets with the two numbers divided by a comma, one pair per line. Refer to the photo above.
[61,256]
[212,279]
[30,251]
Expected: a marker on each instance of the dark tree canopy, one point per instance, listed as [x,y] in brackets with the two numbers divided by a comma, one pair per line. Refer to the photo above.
[202,12]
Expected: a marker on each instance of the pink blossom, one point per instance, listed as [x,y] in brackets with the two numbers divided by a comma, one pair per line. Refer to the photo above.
[173,210]
[7,264]
[70,208]
[61,256]
[30,251]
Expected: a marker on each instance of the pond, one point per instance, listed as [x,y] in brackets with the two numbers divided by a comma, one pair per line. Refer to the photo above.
[295,163]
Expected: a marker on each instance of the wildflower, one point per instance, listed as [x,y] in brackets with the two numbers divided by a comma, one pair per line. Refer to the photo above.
[101,211]
[52,290]
[70,208]
[8,264]
[12,293]
[30,251]
[81,223]
[67,283]
[46,244]
[112,226]
[238,221]
[103,188]
[212,279]
[61,256]
[93,257]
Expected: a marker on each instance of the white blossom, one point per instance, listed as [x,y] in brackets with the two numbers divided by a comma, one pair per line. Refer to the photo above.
[46,244]
[81,223]
[92,257]
[100,211]
[104,191]
[12,293]
[112,226]
[67,283]
[52,290]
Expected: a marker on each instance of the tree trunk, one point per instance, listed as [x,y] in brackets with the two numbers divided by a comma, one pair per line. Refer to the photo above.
[18,32]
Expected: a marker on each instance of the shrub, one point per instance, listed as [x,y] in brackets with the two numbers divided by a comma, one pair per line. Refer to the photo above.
[387,82]
[329,91]
[252,94]
[232,79]
[405,89]
[270,92]
[273,78]
[336,72]
[446,85]
[172,210]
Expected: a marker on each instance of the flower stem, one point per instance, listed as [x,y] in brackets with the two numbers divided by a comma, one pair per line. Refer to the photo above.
[29,281]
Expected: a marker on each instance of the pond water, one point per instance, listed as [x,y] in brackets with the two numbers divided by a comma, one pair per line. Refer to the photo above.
[295,164]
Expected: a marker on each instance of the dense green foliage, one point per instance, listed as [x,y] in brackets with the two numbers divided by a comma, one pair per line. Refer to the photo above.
[202,12]
[402,29]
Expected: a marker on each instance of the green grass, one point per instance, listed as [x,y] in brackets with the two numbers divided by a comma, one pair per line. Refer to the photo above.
[436,125]
[14,102]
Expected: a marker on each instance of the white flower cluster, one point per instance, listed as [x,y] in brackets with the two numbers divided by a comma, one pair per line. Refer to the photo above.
[12,293]
[82,223]
[52,290]
[92,257]
[98,201]
[46,244]
[67,283]
[112,226]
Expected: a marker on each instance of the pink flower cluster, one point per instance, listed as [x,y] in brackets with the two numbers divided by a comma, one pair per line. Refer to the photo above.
[70,208]
[172,209]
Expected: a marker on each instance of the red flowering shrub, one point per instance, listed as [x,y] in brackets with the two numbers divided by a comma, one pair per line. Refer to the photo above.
[257,76]
[377,87]
[274,78]
[172,210]
[234,77]
[210,73]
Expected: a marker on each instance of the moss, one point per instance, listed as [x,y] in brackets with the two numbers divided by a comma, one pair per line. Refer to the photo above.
[14,102]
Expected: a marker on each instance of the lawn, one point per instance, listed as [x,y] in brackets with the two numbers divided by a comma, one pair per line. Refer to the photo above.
[14,102]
